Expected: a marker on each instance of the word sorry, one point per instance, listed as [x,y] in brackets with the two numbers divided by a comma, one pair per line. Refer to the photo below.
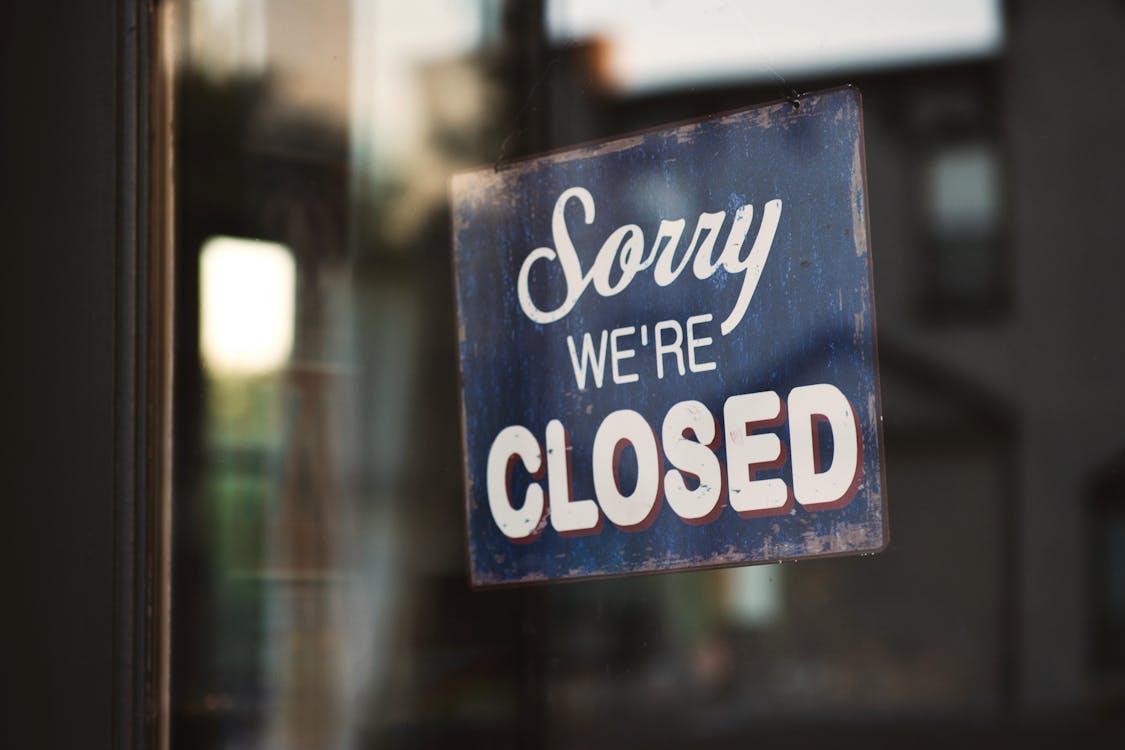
[690,437]
[626,245]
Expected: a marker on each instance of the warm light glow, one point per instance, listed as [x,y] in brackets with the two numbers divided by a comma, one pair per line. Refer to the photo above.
[655,45]
[246,305]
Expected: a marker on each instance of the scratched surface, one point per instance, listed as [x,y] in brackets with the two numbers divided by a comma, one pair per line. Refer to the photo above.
[810,320]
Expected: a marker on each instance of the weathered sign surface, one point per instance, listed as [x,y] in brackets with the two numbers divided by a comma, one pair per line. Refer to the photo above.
[667,348]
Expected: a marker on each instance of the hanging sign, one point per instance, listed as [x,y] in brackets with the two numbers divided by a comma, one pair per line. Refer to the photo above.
[667,349]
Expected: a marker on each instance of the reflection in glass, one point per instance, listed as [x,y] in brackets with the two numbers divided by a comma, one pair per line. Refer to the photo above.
[320,596]
[652,46]
[964,191]
[246,308]
[754,595]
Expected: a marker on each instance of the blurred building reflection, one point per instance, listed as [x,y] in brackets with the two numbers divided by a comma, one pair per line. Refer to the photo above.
[320,596]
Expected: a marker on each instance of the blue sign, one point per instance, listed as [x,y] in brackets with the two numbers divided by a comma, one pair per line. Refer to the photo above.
[667,347]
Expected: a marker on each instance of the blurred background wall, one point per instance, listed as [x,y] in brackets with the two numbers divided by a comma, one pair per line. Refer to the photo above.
[320,596]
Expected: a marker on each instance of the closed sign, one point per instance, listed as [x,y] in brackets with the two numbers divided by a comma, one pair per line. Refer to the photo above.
[667,347]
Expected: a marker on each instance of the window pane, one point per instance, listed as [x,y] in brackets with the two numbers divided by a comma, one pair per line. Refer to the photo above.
[320,595]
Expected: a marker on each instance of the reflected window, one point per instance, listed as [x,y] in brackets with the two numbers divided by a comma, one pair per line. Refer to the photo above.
[680,43]
[754,595]
[963,184]
[963,270]
[963,205]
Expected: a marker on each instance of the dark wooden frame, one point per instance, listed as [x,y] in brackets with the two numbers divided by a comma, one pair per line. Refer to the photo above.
[85,380]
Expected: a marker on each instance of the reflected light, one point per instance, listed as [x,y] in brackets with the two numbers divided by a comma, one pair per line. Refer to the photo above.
[964,189]
[227,37]
[246,305]
[392,40]
[654,45]
[754,595]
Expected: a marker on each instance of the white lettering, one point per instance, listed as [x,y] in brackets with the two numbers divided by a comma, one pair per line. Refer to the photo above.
[748,451]
[672,231]
[812,485]
[566,255]
[567,516]
[694,343]
[625,245]
[630,512]
[710,223]
[662,348]
[616,354]
[695,458]
[629,240]
[526,522]
[689,440]
[595,362]
[751,267]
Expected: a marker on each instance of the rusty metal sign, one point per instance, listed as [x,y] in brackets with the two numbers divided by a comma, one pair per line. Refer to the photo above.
[667,348]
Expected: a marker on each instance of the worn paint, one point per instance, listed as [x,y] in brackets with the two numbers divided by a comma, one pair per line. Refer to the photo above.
[810,320]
